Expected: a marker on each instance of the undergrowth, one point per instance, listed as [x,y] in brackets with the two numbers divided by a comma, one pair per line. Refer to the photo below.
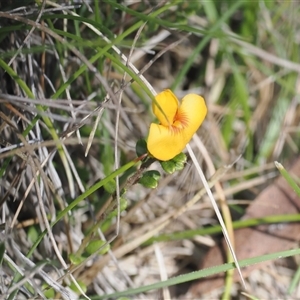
[85,213]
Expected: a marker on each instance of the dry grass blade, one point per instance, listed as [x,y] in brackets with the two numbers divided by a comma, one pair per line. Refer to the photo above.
[217,211]
[99,111]
[293,66]
[155,228]
[65,293]
[116,50]
[29,34]
[77,83]
[63,41]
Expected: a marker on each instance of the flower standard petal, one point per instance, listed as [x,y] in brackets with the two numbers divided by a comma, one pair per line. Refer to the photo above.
[191,114]
[168,105]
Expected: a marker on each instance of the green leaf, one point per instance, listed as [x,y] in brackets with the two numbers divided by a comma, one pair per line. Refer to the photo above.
[123,206]
[179,166]
[141,147]
[168,166]
[74,288]
[180,158]
[49,293]
[75,259]
[110,186]
[95,245]
[150,179]
[33,233]
[177,163]
[2,251]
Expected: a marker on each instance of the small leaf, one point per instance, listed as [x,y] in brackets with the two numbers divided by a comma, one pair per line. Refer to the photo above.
[141,147]
[96,245]
[33,233]
[153,173]
[74,288]
[75,259]
[180,158]
[49,293]
[104,249]
[175,164]
[110,186]
[2,251]
[148,182]
[123,206]
[169,166]
[179,166]
[150,179]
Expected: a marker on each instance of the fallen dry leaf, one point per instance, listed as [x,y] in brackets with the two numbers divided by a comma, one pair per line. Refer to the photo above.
[277,199]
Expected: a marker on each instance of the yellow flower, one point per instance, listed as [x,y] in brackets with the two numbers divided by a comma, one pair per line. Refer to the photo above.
[178,123]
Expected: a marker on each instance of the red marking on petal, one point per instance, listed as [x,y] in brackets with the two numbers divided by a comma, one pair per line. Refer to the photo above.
[182,118]
[180,122]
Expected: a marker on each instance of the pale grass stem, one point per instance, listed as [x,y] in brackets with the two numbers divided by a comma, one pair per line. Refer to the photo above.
[217,211]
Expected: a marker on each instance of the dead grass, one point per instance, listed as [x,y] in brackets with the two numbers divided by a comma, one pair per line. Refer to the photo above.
[251,88]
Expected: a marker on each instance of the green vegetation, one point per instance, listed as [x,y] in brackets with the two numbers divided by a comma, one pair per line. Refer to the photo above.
[84,209]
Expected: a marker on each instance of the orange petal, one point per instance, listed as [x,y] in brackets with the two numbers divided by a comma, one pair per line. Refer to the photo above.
[168,105]
[165,142]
